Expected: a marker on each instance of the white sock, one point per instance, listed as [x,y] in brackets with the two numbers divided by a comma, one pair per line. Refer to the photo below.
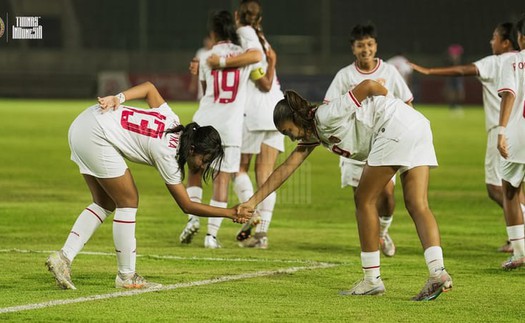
[434,260]
[215,223]
[517,239]
[195,194]
[124,239]
[523,211]
[370,265]
[384,224]
[242,185]
[266,211]
[86,224]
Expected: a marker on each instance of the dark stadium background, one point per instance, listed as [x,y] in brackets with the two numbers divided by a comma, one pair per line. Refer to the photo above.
[156,39]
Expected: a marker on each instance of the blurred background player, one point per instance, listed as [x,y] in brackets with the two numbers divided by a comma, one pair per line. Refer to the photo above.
[363,40]
[402,65]
[454,90]
[360,124]
[100,138]
[260,137]
[511,131]
[222,106]
[487,69]
[195,84]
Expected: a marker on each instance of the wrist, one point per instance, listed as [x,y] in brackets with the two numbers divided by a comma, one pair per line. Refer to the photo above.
[222,61]
[501,130]
[121,97]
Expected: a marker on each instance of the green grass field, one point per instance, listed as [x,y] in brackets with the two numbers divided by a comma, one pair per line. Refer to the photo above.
[314,248]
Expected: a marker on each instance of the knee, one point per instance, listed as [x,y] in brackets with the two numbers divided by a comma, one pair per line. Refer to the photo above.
[416,207]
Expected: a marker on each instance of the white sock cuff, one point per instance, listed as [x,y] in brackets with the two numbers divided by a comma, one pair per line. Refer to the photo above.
[370,260]
[386,219]
[98,211]
[515,232]
[218,204]
[125,215]
[433,253]
[242,185]
[195,193]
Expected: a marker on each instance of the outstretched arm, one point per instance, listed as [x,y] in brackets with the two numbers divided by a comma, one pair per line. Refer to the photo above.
[146,91]
[368,88]
[249,57]
[236,214]
[454,70]
[279,175]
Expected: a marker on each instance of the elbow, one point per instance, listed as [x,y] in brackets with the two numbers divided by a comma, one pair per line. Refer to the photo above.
[265,87]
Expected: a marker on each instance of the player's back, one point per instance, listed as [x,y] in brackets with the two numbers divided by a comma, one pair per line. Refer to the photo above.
[222,105]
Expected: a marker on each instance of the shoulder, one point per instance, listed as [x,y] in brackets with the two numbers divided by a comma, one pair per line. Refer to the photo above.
[246,32]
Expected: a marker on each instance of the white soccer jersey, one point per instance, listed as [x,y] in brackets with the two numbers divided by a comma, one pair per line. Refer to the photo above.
[222,105]
[489,70]
[140,137]
[348,77]
[260,105]
[349,128]
[512,79]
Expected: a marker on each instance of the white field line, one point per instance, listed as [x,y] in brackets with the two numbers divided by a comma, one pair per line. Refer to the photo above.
[163,288]
[97,253]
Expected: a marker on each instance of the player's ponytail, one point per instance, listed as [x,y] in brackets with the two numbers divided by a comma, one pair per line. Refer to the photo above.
[204,141]
[296,109]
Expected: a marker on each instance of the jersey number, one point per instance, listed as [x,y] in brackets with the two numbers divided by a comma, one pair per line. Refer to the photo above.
[142,121]
[225,85]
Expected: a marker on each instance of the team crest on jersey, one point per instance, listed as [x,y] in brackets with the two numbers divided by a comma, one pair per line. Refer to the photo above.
[334,140]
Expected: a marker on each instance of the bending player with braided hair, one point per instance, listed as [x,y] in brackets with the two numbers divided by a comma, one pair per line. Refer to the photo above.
[392,137]
[100,138]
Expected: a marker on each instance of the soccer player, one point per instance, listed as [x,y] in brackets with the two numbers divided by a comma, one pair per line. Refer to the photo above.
[260,137]
[511,131]
[222,106]
[195,84]
[363,40]
[392,137]
[503,44]
[100,138]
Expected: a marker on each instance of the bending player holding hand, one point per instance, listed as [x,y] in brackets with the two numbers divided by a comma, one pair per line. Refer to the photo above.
[392,137]
[100,138]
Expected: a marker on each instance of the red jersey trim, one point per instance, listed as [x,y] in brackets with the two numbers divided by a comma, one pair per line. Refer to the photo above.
[372,71]
[506,90]
[354,99]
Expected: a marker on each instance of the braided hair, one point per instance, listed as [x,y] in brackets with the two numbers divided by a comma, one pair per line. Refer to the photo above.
[294,108]
[205,141]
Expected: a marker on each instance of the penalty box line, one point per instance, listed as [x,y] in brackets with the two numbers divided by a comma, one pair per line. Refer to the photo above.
[134,292]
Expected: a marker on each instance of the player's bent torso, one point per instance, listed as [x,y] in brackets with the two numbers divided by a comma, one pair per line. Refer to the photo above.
[352,132]
[140,136]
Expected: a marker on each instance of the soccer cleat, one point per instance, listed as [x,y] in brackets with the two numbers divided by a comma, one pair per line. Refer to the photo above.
[211,242]
[60,267]
[387,245]
[133,281]
[513,263]
[246,229]
[434,287]
[366,287]
[259,241]
[507,248]
[190,230]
